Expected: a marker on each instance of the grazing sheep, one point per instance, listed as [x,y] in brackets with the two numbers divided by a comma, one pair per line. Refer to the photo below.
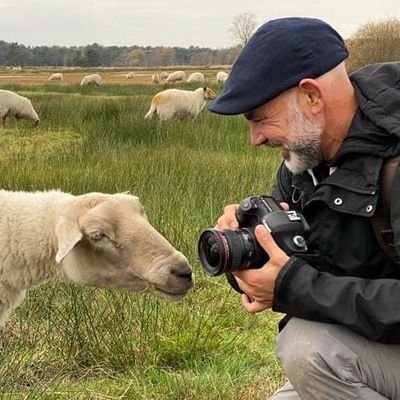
[93,79]
[196,77]
[14,105]
[176,76]
[163,75]
[130,75]
[58,76]
[222,76]
[180,104]
[95,239]
[155,78]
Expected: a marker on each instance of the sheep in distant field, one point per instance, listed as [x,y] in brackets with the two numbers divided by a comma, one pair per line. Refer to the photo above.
[14,105]
[222,76]
[94,239]
[93,79]
[179,104]
[196,77]
[176,76]
[161,76]
[130,75]
[58,76]
[155,78]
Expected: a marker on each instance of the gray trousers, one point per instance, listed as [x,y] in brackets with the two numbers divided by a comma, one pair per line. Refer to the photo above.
[330,362]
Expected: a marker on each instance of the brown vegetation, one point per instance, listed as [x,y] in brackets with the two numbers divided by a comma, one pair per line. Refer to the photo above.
[374,42]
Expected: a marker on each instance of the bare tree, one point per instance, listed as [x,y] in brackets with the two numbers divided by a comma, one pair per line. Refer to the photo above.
[137,57]
[374,42]
[243,27]
[167,55]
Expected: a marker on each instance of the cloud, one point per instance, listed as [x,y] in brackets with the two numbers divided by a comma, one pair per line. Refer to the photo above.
[169,23]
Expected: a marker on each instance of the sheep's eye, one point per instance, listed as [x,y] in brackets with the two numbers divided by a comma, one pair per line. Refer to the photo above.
[97,236]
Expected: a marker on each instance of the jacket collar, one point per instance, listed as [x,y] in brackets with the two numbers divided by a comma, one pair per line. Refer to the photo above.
[359,174]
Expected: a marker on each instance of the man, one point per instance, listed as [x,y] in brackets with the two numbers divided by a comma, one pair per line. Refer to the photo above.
[340,338]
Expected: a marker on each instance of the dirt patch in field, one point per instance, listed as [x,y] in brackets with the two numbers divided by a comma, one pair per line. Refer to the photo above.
[75,77]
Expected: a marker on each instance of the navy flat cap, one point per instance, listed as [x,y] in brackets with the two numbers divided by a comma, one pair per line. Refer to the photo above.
[278,56]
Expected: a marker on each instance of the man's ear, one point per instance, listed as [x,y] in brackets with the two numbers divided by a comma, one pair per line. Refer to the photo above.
[312,93]
[68,235]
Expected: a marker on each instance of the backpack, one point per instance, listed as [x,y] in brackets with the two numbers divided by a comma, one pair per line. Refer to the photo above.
[381,220]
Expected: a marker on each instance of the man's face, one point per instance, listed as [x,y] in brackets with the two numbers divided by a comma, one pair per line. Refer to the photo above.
[282,123]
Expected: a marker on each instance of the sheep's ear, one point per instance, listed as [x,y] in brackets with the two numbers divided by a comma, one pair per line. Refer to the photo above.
[68,235]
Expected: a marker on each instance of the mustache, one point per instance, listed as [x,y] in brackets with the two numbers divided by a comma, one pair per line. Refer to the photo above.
[272,144]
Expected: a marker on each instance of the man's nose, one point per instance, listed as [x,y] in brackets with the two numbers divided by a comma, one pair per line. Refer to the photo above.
[256,137]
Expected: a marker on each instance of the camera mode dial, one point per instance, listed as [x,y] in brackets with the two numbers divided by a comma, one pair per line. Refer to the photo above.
[299,241]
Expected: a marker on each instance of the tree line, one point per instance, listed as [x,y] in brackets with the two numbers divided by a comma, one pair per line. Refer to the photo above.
[374,41]
[96,55]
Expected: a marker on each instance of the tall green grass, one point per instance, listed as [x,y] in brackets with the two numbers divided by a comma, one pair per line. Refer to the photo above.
[70,342]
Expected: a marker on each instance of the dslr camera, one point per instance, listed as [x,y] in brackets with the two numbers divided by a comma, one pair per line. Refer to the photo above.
[229,250]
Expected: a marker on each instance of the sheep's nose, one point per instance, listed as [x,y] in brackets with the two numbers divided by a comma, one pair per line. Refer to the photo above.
[179,268]
[186,274]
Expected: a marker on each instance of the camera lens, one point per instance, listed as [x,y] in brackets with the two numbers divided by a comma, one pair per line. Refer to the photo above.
[213,251]
[229,250]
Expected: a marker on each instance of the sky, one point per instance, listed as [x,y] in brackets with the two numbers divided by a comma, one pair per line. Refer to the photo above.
[182,23]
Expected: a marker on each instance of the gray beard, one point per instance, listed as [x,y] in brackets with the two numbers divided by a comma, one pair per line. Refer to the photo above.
[303,156]
[304,149]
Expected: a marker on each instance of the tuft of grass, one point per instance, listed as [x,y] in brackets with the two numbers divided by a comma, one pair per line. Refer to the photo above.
[16,142]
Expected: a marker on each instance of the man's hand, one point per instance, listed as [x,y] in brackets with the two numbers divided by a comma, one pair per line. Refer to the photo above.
[259,284]
[228,219]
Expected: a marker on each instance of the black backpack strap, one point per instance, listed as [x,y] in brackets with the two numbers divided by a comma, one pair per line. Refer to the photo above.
[381,221]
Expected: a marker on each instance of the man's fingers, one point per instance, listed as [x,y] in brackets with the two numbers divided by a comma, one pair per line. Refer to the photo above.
[228,219]
[266,240]
[284,206]
[252,306]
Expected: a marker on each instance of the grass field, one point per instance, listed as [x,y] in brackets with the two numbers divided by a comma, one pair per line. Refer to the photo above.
[71,342]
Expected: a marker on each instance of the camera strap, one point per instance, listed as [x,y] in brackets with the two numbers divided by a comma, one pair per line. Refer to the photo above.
[381,221]
[233,282]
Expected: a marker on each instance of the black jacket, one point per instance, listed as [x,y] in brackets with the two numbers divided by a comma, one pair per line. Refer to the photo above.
[346,278]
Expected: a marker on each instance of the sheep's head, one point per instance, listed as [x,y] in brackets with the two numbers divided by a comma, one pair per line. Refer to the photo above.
[106,241]
[209,94]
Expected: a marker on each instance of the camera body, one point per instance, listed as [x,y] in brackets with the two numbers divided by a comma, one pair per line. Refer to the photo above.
[231,250]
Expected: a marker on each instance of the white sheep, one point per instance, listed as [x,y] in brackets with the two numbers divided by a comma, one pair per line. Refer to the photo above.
[14,105]
[163,75]
[176,76]
[196,77]
[94,239]
[93,79]
[130,75]
[179,104]
[58,76]
[222,76]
